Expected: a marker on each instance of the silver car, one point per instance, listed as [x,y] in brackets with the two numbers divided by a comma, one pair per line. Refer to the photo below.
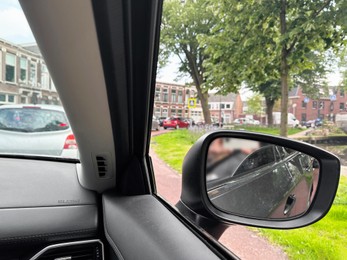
[155,124]
[37,130]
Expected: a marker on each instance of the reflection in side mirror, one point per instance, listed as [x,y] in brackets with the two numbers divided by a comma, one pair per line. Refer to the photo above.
[258,179]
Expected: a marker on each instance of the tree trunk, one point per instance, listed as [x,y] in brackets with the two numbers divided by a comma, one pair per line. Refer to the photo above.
[204,104]
[284,73]
[269,108]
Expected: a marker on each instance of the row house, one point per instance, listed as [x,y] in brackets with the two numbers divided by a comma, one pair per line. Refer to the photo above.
[24,77]
[326,107]
[172,100]
[225,108]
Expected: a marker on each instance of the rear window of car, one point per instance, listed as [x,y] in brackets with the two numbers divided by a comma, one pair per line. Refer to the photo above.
[32,120]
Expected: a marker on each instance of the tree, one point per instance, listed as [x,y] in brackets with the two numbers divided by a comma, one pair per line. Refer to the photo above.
[263,43]
[255,104]
[182,23]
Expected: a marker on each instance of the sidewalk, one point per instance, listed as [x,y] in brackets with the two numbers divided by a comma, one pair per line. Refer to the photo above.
[238,239]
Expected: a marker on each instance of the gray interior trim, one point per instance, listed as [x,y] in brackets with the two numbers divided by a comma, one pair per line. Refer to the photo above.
[47,222]
[44,200]
[35,183]
[142,228]
[75,66]
[68,244]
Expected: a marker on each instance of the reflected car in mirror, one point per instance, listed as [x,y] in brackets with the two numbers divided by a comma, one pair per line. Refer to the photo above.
[258,179]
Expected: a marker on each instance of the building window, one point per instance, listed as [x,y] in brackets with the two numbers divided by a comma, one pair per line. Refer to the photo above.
[23,69]
[165,95]
[44,77]
[227,105]
[173,96]
[342,106]
[314,104]
[32,74]
[157,94]
[11,98]
[5,98]
[164,112]
[209,106]
[342,93]
[303,104]
[303,117]
[321,104]
[10,67]
[222,106]
[157,112]
[179,112]
[173,112]
[180,97]
[23,100]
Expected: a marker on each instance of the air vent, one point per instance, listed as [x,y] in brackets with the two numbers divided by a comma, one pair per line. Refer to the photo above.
[88,250]
[102,165]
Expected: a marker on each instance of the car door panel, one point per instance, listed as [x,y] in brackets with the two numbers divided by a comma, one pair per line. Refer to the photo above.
[140,227]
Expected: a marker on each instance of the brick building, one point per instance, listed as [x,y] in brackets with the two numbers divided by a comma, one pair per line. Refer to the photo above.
[172,100]
[325,107]
[24,77]
[228,107]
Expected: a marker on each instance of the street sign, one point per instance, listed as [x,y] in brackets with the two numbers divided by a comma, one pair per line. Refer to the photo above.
[332,97]
[192,102]
[306,100]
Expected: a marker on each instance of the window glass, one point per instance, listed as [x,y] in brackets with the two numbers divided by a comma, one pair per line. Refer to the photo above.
[29,102]
[23,68]
[32,74]
[10,67]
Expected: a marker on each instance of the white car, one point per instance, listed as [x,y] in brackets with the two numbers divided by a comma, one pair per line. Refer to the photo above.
[246,121]
[37,130]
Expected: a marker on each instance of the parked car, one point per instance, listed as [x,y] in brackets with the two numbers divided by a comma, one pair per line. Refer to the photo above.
[161,120]
[314,123]
[246,121]
[36,129]
[281,170]
[175,122]
[155,124]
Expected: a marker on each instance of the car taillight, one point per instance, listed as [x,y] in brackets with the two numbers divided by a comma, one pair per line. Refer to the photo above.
[70,142]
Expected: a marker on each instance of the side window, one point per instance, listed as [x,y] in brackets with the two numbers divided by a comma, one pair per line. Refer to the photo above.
[259,158]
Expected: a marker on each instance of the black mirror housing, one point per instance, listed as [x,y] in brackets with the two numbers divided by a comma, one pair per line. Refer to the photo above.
[196,205]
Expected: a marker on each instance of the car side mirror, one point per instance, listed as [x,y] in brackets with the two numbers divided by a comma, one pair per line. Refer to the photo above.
[257,180]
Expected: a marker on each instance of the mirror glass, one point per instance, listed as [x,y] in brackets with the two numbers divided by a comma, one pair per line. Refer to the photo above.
[258,179]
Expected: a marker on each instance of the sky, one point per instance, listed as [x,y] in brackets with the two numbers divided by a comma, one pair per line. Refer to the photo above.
[15,29]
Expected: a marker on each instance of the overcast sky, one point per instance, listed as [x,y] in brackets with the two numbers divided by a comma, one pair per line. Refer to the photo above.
[14,28]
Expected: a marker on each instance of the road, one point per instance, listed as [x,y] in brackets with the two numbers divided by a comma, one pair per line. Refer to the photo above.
[240,240]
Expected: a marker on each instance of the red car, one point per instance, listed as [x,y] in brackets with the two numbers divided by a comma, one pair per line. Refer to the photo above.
[175,122]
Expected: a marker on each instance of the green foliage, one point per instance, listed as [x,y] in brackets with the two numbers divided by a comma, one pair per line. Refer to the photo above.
[173,146]
[325,239]
[258,43]
[254,104]
[183,23]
